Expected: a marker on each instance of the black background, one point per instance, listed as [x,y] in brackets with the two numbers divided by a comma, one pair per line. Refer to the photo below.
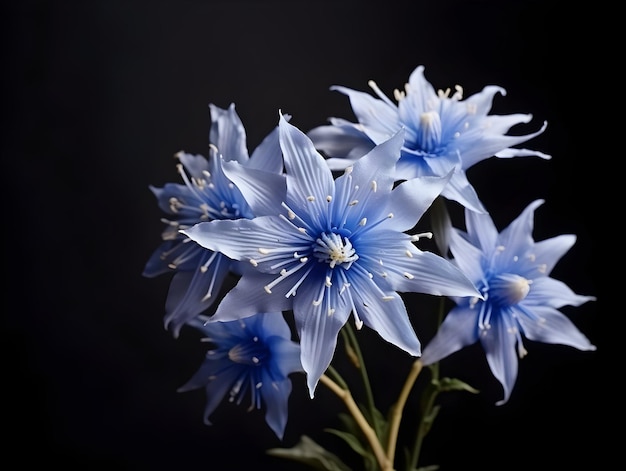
[99,95]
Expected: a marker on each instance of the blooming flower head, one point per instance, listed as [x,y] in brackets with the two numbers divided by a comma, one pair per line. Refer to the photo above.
[333,247]
[205,195]
[520,298]
[253,358]
[444,132]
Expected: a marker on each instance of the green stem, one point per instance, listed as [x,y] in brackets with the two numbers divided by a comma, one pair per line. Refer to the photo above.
[433,391]
[337,378]
[424,425]
[368,431]
[354,343]
[396,409]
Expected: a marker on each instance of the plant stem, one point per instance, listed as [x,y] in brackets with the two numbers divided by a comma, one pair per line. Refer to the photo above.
[398,406]
[368,431]
[365,377]
[424,426]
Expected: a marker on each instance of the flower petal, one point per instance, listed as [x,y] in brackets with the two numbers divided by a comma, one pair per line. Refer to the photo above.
[318,330]
[228,134]
[548,325]
[458,330]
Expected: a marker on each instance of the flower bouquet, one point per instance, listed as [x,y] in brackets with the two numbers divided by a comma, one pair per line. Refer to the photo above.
[282,258]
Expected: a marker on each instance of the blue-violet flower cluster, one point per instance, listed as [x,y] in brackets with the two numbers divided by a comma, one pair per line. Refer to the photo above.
[318,232]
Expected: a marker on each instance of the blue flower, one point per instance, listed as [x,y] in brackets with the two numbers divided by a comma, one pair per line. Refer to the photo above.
[520,298]
[206,194]
[252,358]
[334,247]
[443,133]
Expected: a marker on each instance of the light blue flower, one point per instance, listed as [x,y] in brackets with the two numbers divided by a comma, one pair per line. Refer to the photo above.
[333,247]
[252,358]
[444,132]
[206,194]
[520,298]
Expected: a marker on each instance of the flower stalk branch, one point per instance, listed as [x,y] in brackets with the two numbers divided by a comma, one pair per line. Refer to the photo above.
[398,406]
[344,394]
[352,341]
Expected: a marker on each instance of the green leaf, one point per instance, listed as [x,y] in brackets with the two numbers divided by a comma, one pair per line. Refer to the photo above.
[350,439]
[453,384]
[308,452]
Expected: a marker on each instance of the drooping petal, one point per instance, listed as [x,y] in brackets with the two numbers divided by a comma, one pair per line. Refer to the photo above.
[318,329]
[500,345]
[275,396]
[387,316]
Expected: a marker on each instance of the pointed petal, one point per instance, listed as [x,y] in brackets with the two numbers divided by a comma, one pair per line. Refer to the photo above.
[517,237]
[549,251]
[459,189]
[263,191]
[553,293]
[318,331]
[548,325]
[380,120]
[191,293]
[499,343]
[267,155]
[248,298]
[458,330]
[467,256]
[228,134]
[411,198]
[341,141]
[307,172]
[481,230]
[425,272]
[275,395]
[368,183]
[241,239]
[388,317]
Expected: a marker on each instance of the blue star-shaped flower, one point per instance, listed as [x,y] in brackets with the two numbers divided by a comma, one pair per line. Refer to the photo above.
[443,133]
[251,357]
[520,298]
[206,194]
[333,247]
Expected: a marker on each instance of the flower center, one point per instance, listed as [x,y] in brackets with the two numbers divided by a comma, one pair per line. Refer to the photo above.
[508,289]
[335,250]
[251,352]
